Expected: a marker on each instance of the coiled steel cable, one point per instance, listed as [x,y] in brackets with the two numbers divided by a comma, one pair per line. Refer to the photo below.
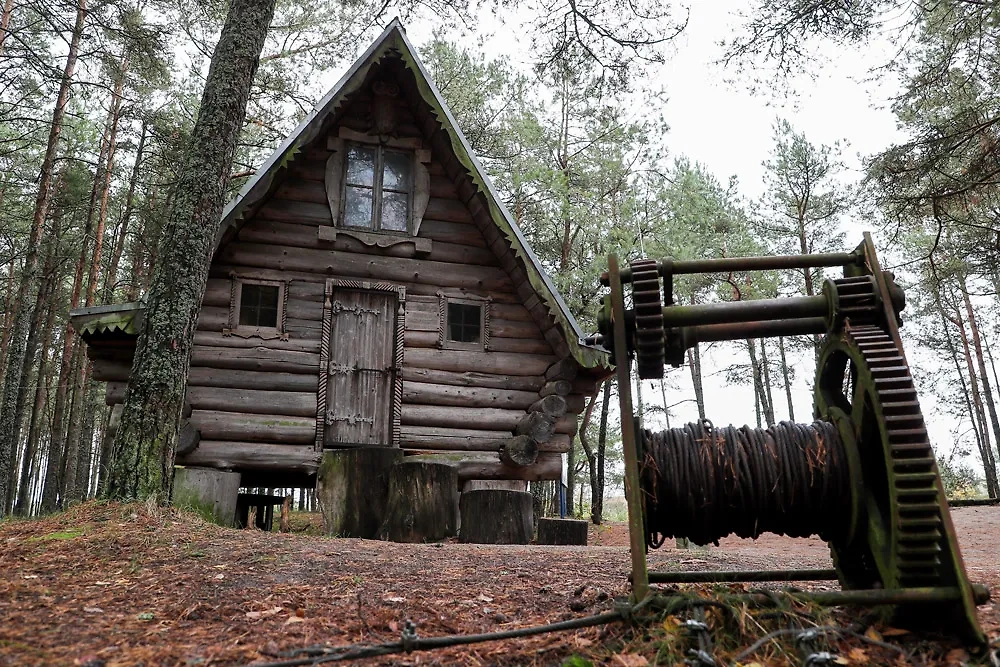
[704,483]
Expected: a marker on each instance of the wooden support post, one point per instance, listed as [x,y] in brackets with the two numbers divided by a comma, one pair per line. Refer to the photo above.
[209,492]
[423,502]
[495,516]
[633,496]
[352,486]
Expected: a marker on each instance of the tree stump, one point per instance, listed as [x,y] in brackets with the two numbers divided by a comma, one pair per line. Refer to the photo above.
[352,487]
[423,502]
[495,516]
[209,492]
[562,531]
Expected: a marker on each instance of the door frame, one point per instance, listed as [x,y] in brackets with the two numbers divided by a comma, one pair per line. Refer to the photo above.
[324,351]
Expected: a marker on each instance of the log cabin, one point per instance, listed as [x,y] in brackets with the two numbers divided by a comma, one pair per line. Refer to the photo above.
[369,288]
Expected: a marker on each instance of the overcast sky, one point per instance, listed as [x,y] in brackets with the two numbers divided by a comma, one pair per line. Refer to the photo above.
[719,122]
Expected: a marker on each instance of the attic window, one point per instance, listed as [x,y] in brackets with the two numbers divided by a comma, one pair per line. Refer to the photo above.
[464,322]
[257,308]
[377,187]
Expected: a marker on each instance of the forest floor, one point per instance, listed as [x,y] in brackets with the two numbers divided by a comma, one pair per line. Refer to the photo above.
[107,584]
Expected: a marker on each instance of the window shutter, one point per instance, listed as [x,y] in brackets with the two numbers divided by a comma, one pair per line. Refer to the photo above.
[335,177]
[421,187]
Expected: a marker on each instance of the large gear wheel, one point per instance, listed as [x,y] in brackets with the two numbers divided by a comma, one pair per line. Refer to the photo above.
[648,306]
[864,386]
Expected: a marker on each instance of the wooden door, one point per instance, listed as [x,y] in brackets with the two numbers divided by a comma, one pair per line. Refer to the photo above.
[361,368]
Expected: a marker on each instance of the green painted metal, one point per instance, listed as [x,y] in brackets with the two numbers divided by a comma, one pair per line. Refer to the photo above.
[633,497]
[724,576]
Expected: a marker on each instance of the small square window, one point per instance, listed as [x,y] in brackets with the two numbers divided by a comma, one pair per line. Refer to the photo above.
[465,322]
[256,308]
[259,306]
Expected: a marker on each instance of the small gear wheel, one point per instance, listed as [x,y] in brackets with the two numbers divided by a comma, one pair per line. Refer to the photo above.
[648,307]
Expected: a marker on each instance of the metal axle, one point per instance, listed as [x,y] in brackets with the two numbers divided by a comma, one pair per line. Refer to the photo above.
[727,577]
[669,266]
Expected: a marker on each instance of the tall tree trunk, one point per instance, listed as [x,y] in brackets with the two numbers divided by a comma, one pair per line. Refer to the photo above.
[588,452]
[38,311]
[694,362]
[785,378]
[989,462]
[143,450]
[8,11]
[758,386]
[23,505]
[71,457]
[29,278]
[8,316]
[597,514]
[984,449]
[769,411]
[663,393]
[981,362]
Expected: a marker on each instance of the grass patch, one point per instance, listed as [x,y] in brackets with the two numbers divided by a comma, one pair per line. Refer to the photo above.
[70,534]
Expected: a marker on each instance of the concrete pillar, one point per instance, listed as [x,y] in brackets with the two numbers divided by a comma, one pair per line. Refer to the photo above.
[208,492]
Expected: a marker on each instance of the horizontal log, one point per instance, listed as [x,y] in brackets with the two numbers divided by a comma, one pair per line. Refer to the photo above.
[451,439]
[498,484]
[234,455]
[564,369]
[253,401]
[473,379]
[468,397]
[188,438]
[538,425]
[431,339]
[500,363]
[254,428]
[111,371]
[488,466]
[237,379]
[479,418]
[514,329]
[221,269]
[289,210]
[557,387]
[520,345]
[576,403]
[567,424]
[255,359]
[443,274]
[306,236]
[520,450]
[451,232]
[450,210]
[550,405]
[218,339]
[436,438]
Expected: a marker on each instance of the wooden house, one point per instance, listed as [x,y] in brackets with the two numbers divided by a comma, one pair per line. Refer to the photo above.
[369,289]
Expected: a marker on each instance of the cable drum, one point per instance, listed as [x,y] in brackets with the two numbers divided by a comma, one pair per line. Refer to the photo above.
[704,483]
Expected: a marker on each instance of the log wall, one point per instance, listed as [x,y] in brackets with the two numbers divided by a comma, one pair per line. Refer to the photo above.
[255,400]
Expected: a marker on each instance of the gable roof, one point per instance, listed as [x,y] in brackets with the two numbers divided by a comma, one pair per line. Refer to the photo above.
[393,40]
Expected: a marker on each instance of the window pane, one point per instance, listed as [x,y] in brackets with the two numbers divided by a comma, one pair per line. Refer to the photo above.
[396,172]
[464,321]
[394,211]
[360,165]
[358,207]
[259,305]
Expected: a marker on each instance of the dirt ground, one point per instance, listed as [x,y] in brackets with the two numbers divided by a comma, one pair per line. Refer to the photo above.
[107,584]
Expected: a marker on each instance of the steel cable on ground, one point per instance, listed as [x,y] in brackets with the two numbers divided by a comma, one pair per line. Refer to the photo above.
[704,483]
[315,655]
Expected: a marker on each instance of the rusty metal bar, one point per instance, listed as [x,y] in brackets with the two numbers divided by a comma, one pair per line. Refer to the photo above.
[708,333]
[871,597]
[633,497]
[739,576]
[669,266]
[746,311]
